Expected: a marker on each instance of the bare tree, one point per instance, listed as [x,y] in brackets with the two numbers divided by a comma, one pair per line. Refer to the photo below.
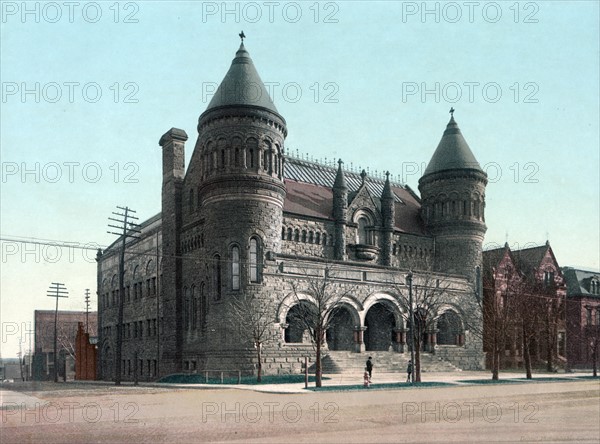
[316,314]
[593,337]
[65,333]
[430,293]
[499,306]
[254,318]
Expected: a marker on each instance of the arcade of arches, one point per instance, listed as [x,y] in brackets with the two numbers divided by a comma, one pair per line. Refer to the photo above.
[381,329]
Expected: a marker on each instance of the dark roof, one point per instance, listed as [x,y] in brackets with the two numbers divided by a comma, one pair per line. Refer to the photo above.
[578,281]
[452,153]
[242,86]
[309,193]
[491,260]
[529,259]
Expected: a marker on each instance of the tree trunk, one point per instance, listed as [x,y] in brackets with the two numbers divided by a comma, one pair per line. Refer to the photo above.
[495,361]
[549,346]
[259,356]
[417,368]
[595,360]
[318,371]
[526,356]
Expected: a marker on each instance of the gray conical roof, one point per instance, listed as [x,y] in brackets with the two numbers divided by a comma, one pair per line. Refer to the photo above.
[242,86]
[452,153]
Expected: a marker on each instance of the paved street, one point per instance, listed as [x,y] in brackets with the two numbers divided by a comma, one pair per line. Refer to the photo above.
[531,412]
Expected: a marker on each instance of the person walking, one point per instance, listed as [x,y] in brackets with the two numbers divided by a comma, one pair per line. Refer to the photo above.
[369,366]
[409,370]
[366,378]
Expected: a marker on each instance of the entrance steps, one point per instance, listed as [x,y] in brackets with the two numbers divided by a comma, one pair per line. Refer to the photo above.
[336,362]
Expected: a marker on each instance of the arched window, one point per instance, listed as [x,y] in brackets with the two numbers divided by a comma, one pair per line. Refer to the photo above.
[235,267]
[186,308]
[193,308]
[203,307]
[304,236]
[289,234]
[363,237]
[216,277]
[254,261]
[296,235]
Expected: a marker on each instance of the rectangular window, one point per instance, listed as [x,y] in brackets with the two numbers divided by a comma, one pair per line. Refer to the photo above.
[588,317]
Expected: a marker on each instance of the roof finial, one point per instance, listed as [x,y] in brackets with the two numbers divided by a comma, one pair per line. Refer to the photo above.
[242,36]
[451,108]
[363,175]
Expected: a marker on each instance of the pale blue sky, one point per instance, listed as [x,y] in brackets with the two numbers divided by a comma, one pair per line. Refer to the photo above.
[367,58]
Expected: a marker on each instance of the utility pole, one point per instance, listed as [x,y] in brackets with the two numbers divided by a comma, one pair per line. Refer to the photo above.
[87,308]
[127,229]
[409,278]
[56,290]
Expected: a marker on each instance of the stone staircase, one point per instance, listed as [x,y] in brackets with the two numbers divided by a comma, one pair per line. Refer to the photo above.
[335,362]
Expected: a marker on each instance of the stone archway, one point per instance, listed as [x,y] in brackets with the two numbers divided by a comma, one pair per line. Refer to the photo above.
[296,330]
[449,329]
[340,334]
[380,322]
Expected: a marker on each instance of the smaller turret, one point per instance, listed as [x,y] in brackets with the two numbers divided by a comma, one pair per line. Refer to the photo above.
[340,212]
[388,214]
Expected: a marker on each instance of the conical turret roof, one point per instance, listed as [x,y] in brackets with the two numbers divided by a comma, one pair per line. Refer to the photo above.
[452,153]
[242,86]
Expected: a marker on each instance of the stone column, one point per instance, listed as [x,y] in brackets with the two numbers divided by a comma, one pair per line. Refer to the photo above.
[399,340]
[283,328]
[359,343]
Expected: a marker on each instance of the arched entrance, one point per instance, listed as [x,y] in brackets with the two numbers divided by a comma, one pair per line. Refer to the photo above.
[297,319]
[449,327]
[380,323]
[341,330]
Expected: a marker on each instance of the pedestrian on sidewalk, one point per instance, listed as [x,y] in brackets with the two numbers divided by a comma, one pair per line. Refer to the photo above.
[409,370]
[366,378]
[369,367]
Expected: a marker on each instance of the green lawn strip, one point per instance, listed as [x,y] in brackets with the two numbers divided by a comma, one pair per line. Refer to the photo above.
[491,381]
[383,386]
[246,380]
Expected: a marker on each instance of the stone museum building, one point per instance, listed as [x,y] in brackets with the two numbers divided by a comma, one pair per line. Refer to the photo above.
[246,219]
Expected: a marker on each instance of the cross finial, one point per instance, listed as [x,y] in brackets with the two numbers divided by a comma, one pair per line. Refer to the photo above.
[242,36]
[451,111]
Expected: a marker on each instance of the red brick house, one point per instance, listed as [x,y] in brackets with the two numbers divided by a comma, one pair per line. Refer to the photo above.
[86,352]
[583,317]
[528,291]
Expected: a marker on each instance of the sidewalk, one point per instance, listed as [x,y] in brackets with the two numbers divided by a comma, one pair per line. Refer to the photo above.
[345,379]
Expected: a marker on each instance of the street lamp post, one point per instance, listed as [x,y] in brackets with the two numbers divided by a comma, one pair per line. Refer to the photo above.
[409,277]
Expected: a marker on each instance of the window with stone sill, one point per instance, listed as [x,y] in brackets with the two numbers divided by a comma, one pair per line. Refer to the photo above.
[255,261]
[235,268]
[216,277]
[548,278]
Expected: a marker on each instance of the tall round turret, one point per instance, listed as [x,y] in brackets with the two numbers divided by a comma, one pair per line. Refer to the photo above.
[453,202]
[240,170]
